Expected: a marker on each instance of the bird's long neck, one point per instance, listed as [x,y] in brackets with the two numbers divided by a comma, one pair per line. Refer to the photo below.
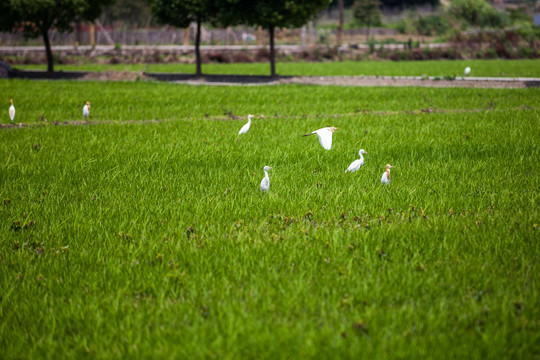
[388,174]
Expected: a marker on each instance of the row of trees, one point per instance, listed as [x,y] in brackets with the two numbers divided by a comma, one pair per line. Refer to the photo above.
[267,14]
[37,17]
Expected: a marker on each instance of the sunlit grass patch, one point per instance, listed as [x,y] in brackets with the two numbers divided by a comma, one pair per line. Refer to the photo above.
[152,239]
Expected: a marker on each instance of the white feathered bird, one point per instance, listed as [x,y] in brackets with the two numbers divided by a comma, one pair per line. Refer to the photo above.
[356,164]
[86,110]
[246,126]
[265,182]
[385,179]
[12,110]
[325,136]
[467,70]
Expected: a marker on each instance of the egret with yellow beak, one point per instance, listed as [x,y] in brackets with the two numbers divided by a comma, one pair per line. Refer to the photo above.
[356,164]
[246,126]
[325,136]
[86,110]
[12,110]
[385,179]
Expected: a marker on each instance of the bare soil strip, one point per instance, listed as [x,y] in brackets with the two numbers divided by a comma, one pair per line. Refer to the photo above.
[252,80]
[235,117]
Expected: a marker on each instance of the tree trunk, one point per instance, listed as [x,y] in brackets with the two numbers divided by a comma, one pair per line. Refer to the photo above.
[50,60]
[271,31]
[78,32]
[340,23]
[198,71]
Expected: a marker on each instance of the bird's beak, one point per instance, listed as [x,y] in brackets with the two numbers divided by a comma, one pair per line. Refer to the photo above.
[365,152]
[262,117]
[270,168]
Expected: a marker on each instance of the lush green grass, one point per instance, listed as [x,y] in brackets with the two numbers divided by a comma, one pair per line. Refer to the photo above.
[494,68]
[63,100]
[152,239]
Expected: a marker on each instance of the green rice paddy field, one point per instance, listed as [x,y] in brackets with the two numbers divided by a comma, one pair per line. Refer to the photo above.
[137,238]
[441,68]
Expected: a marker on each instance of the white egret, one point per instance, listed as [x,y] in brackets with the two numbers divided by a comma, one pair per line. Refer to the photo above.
[12,110]
[86,110]
[325,136]
[265,182]
[356,164]
[467,70]
[246,126]
[385,179]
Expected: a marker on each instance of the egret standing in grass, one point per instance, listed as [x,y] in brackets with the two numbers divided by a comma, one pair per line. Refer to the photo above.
[12,110]
[325,136]
[356,164]
[467,70]
[385,179]
[246,126]
[86,110]
[265,182]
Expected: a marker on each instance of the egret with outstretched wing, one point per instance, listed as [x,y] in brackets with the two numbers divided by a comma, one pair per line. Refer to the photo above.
[325,136]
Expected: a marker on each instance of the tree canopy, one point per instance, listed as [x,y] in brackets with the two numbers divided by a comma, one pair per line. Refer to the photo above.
[367,13]
[37,17]
[271,15]
[181,13]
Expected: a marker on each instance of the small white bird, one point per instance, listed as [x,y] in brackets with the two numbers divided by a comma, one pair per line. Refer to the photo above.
[356,164]
[246,126]
[86,110]
[467,70]
[265,182]
[12,110]
[385,179]
[325,136]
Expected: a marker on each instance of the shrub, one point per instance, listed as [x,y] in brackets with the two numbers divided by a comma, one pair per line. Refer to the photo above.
[478,13]
[401,26]
[490,53]
[431,25]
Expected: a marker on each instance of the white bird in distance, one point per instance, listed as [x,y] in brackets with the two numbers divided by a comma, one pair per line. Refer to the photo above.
[86,110]
[265,182]
[325,136]
[385,179]
[246,126]
[356,164]
[12,110]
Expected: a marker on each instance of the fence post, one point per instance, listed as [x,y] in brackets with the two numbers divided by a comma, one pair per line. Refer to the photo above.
[259,35]
[92,34]
[186,36]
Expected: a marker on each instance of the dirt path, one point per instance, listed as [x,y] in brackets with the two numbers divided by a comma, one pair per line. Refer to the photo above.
[415,81]
[252,80]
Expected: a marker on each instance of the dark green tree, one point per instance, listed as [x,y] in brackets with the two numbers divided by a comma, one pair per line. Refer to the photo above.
[367,13]
[37,17]
[127,12]
[270,14]
[181,13]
